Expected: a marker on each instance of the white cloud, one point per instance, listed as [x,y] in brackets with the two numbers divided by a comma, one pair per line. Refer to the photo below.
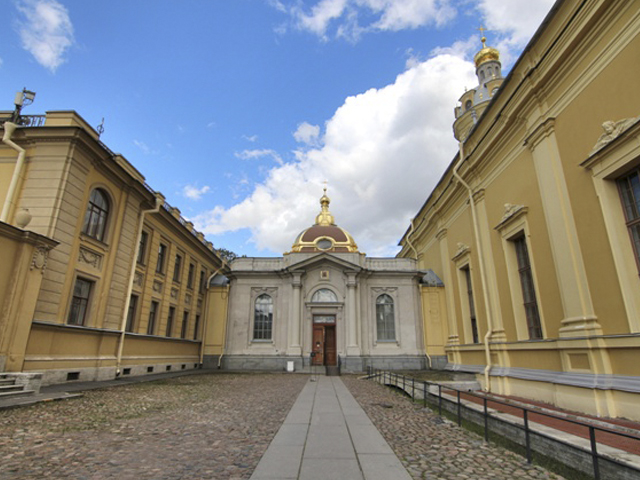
[142,146]
[514,22]
[252,138]
[46,31]
[344,18]
[383,151]
[194,193]
[307,134]
[259,153]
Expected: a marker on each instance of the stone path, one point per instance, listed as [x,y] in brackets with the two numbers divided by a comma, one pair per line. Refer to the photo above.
[218,427]
[327,435]
[194,427]
[432,448]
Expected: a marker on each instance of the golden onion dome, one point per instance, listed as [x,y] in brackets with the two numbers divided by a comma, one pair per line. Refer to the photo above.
[487,54]
[324,235]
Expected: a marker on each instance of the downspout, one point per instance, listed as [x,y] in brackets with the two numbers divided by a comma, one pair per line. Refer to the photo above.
[485,294]
[206,318]
[132,273]
[9,128]
[411,229]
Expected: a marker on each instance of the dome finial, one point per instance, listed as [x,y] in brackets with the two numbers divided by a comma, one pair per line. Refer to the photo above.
[325,217]
[483,39]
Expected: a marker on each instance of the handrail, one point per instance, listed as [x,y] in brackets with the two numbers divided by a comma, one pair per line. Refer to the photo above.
[400,381]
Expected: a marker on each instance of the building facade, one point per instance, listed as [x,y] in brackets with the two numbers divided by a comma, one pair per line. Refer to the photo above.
[324,303]
[534,228]
[122,276]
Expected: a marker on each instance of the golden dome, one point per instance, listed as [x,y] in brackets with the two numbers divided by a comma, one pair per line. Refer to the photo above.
[324,235]
[487,54]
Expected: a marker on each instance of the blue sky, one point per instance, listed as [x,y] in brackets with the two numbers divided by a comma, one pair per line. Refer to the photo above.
[239,110]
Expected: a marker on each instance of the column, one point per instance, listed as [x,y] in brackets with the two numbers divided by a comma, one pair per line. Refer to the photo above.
[579,316]
[294,317]
[452,322]
[352,321]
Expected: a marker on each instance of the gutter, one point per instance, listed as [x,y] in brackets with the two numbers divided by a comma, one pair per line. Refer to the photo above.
[9,129]
[127,303]
[483,278]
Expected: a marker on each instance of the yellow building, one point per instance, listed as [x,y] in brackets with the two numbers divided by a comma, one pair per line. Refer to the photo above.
[104,277]
[534,228]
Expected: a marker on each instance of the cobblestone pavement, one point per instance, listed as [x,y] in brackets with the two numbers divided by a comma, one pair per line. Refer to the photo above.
[433,449]
[194,427]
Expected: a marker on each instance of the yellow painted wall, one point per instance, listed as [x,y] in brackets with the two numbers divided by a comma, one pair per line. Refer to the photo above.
[218,298]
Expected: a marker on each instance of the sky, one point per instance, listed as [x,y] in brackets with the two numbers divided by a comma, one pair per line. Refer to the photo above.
[239,111]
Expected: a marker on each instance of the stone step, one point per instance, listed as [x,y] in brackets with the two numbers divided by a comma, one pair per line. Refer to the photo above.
[11,388]
[18,393]
[332,371]
[7,381]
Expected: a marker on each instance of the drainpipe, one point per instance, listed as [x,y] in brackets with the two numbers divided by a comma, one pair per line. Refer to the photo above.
[9,128]
[127,302]
[485,294]
[206,318]
[415,252]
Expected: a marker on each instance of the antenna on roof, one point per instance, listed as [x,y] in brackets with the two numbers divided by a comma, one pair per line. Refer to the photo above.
[100,128]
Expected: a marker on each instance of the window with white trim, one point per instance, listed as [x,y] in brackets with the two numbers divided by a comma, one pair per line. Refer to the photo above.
[263,318]
[629,186]
[385,318]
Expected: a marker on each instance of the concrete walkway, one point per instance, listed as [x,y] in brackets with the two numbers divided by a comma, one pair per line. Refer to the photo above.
[328,435]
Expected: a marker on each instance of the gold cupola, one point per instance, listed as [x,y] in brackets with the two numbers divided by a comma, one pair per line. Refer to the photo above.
[487,54]
[324,235]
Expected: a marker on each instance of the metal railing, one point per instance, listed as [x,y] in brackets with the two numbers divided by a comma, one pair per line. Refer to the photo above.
[432,392]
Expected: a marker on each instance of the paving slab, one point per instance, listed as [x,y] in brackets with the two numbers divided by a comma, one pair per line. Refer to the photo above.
[328,435]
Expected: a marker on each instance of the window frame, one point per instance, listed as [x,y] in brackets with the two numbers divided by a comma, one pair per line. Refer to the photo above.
[177,267]
[628,204]
[262,330]
[143,246]
[132,313]
[163,250]
[154,308]
[170,320]
[185,324]
[86,301]
[386,323]
[512,226]
[97,230]
[191,275]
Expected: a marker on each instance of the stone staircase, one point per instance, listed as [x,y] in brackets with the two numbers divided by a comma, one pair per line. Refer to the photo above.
[332,371]
[11,389]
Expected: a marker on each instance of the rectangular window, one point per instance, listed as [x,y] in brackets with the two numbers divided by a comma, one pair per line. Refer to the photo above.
[162,255]
[142,247]
[196,327]
[185,324]
[177,268]
[472,308]
[172,314]
[80,302]
[153,312]
[630,192]
[528,289]
[131,313]
[202,280]
[192,270]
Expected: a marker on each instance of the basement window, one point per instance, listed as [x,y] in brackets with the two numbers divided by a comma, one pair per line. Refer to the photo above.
[149,369]
[73,376]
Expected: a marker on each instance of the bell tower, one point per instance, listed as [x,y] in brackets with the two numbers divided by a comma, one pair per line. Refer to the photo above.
[474,101]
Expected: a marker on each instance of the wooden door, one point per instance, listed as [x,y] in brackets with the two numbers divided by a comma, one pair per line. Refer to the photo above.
[330,357]
[318,345]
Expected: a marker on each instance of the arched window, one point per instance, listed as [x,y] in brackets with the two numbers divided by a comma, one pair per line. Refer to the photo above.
[95,220]
[385,318]
[468,105]
[324,295]
[263,318]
